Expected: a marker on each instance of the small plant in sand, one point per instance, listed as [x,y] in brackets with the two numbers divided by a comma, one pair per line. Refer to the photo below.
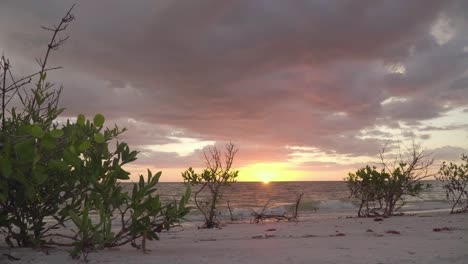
[65,175]
[455,180]
[383,191]
[218,173]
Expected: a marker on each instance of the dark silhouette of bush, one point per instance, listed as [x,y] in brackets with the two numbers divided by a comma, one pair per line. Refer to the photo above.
[455,180]
[382,192]
[218,173]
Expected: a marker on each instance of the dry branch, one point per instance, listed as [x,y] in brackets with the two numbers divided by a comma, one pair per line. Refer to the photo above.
[262,215]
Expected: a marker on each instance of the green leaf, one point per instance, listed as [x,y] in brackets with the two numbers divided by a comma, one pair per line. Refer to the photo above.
[48,143]
[98,120]
[123,175]
[37,132]
[71,158]
[99,138]
[187,194]
[74,217]
[29,191]
[81,119]
[40,177]
[157,176]
[25,151]
[6,168]
[56,133]
[141,182]
[84,146]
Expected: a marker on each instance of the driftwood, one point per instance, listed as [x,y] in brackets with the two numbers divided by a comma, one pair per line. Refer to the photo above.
[230,211]
[296,206]
[263,216]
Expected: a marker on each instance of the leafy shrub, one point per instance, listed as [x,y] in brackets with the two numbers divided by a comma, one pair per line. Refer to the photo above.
[68,173]
[382,192]
[214,177]
[455,180]
[141,213]
[367,186]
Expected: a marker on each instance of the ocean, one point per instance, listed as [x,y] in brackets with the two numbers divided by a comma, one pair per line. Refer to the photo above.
[320,198]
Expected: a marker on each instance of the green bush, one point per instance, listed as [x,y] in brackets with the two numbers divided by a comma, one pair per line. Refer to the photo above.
[66,173]
[67,176]
[382,192]
[366,185]
[455,180]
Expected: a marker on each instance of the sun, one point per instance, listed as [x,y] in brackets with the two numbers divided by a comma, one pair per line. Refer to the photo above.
[266,175]
[267,172]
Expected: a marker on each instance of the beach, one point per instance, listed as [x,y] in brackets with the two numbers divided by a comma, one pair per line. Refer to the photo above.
[234,132]
[435,237]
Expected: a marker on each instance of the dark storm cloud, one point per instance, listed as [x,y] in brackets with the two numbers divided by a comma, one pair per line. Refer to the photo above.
[272,73]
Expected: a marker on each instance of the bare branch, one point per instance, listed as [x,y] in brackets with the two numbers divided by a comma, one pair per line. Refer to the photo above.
[217,174]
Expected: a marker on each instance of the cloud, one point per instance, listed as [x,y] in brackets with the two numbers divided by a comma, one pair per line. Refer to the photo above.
[264,74]
[449,153]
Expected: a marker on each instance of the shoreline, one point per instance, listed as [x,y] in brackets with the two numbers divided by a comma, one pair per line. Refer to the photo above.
[321,240]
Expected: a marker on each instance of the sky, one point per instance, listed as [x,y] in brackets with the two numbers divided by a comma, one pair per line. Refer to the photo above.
[307,90]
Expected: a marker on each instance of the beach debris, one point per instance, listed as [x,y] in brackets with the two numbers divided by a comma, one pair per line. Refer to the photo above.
[295,213]
[271,229]
[262,215]
[442,229]
[369,230]
[230,211]
[378,219]
[135,245]
[208,239]
[338,235]
[393,232]
[263,236]
[306,236]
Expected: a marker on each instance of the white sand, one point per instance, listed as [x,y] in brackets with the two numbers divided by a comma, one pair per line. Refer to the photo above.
[309,241]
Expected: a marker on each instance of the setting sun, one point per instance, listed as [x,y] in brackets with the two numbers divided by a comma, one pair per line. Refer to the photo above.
[268,172]
[266,175]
